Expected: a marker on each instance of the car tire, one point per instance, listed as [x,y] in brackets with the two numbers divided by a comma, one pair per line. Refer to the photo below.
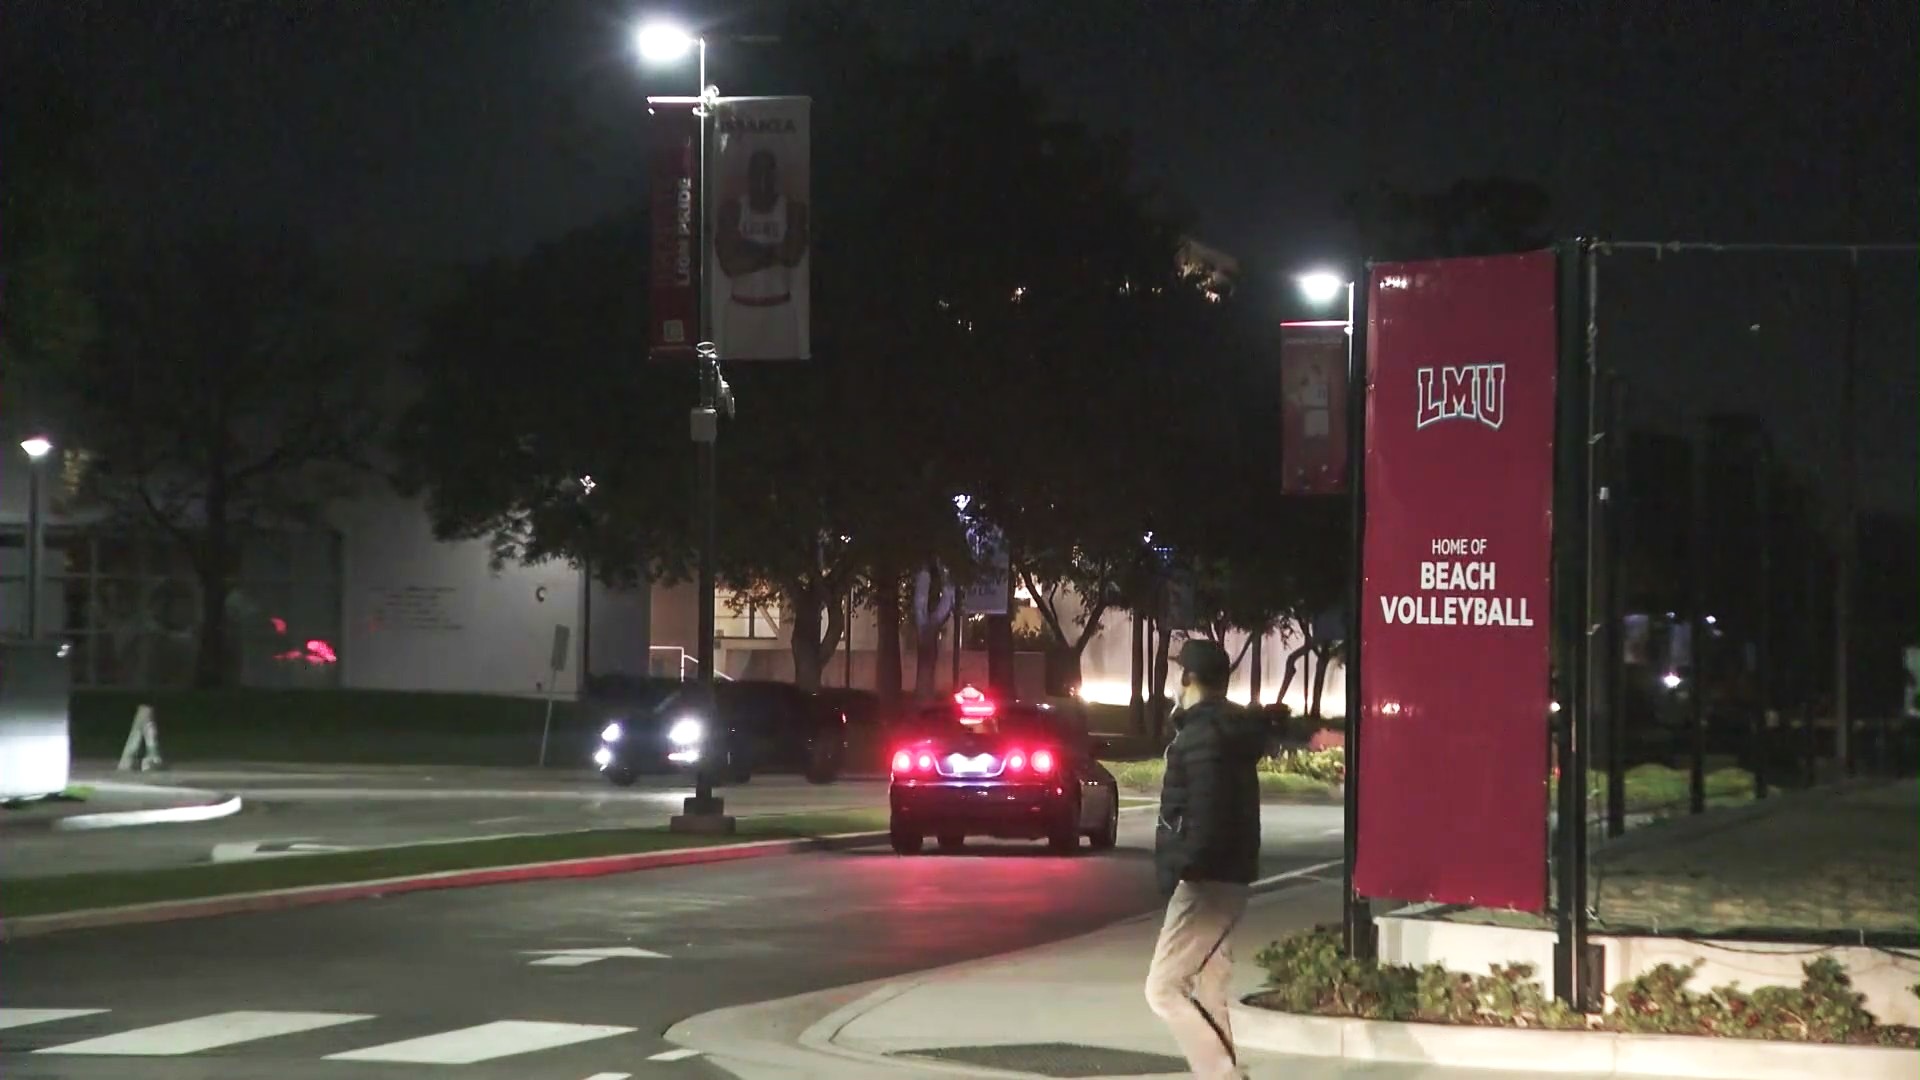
[1065,839]
[622,776]
[823,765]
[1108,835]
[906,843]
[952,842]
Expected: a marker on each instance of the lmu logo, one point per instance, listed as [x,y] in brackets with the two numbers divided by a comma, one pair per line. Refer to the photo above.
[1473,392]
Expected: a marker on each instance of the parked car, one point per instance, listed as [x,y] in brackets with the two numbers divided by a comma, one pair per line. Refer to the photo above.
[751,726]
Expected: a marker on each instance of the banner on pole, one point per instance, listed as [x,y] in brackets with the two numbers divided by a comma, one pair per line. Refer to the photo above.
[673,312]
[1313,404]
[762,233]
[1455,623]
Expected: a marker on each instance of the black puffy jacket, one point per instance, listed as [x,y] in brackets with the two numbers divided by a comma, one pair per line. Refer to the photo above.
[1209,828]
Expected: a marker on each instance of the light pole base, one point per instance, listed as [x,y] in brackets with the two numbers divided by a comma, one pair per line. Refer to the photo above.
[702,817]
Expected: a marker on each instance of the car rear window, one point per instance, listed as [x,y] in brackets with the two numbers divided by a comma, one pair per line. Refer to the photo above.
[1006,720]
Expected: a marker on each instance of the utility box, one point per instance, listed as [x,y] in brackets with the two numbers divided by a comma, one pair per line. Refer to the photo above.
[36,749]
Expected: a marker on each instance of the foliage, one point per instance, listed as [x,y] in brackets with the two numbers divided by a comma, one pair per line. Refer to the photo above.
[1328,766]
[235,384]
[1311,973]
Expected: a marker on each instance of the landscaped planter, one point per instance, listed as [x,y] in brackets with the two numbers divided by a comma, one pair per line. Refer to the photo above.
[1603,1053]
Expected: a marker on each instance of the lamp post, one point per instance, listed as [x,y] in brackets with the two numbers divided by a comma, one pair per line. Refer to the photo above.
[659,43]
[1323,287]
[36,448]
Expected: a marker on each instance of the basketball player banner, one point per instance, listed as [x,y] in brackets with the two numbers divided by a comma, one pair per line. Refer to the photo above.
[673,314]
[762,228]
[1455,626]
[1313,408]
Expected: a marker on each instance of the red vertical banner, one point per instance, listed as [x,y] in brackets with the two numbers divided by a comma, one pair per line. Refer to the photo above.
[673,313]
[1313,408]
[1456,634]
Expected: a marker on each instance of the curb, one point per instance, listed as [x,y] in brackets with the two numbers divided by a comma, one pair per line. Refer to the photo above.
[308,895]
[1593,1053]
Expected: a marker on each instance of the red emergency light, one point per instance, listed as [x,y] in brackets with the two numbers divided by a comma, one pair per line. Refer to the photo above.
[974,705]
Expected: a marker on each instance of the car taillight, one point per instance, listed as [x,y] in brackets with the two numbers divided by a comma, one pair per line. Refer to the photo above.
[902,762]
[1016,761]
[1043,761]
[924,762]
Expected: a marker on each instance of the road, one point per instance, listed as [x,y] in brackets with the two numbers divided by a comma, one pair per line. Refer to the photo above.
[430,978]
[323,807]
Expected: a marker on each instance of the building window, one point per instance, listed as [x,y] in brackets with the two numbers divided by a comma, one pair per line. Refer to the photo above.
[743,621]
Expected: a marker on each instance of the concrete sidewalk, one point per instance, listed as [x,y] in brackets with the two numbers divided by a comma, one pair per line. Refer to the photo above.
[1072,1009]
[112,802]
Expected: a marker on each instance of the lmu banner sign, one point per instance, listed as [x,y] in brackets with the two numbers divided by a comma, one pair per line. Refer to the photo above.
[673,284]
[1454,621]
[1313,408]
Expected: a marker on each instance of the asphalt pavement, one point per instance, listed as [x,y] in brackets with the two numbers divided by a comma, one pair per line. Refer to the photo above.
[291,810]
[566,980]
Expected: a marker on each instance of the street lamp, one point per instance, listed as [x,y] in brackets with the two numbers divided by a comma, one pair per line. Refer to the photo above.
[665,43]
[36,448]
[1323,287]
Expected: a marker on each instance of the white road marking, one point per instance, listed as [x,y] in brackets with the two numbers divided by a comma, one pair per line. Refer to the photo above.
[579,957]
[611,1076]
[115,819]
[1305,871]
[251,849]
[502,1038]
[13,1018]
[681,1054]
[204,1033]
[1335,832]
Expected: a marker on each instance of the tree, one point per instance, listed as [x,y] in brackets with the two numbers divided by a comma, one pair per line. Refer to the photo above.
[53,224]
[234,386]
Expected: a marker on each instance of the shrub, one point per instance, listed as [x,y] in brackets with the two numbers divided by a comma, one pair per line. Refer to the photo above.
[1328,766]
[1310,973]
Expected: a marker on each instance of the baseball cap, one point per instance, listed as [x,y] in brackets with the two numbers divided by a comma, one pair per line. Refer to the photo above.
[1205,660]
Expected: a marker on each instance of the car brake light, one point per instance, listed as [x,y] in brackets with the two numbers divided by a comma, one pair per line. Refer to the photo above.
[902,762]
[925,763]
[974,705]
[1042,761]
[1016,761]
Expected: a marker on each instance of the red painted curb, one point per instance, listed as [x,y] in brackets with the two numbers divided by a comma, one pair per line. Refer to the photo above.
[305,896]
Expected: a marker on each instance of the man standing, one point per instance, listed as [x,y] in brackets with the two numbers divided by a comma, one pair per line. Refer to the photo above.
[1206,853]
[760,242]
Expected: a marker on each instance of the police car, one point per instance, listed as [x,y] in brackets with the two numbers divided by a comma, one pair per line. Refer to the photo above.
[1008,770]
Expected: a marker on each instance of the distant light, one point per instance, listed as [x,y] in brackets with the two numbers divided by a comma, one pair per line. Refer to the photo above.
[37,447]
[587,485]
[1711,620]
[1671,680]
[1553,706]
[1321,286]
[662,43]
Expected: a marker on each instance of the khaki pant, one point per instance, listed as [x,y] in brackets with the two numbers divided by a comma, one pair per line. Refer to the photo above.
[1188,984]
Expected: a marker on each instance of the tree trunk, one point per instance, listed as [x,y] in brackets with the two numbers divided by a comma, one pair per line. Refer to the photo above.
[931,610]
[1062,668]
[1162,654]
[886,658]
[1253,675]
[1000,676]
[1137,675]
[1320,658]
[812,647]
[214,567]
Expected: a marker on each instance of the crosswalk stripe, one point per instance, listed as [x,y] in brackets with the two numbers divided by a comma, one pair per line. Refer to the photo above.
[681,1054]
[502,1038]
[204,1033]
[13,1018]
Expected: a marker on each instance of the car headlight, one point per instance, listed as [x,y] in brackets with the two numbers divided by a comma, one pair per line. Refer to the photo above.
[603,757]
[612,732]
[686,731]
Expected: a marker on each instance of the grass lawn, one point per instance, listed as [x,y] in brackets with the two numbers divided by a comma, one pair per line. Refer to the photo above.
[73,892]
[334,726]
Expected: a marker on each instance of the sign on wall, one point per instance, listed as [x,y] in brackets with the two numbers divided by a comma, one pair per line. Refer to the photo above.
[1455,622]
[1313,403]
[673,313]
[762,228]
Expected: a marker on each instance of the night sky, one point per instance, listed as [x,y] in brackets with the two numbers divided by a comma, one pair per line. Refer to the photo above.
[448,129]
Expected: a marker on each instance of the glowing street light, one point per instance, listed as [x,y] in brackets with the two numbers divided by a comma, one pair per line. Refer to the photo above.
[1321,286]
[37,447]
[662,43]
